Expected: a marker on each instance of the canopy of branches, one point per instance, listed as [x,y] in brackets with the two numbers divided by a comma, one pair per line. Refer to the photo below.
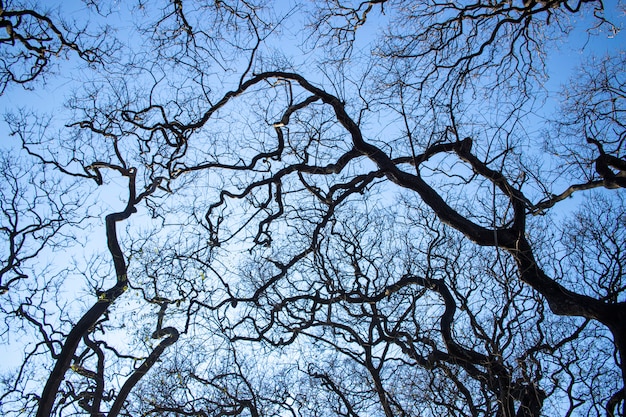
[251,208]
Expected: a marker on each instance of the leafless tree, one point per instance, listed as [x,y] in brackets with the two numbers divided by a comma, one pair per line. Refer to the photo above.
[32,39]
[381,239]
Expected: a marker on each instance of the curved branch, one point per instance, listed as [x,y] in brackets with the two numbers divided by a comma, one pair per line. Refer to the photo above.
[105,299]
[172,336]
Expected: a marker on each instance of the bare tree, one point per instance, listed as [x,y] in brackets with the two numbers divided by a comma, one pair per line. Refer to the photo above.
[31,39]
[382,239]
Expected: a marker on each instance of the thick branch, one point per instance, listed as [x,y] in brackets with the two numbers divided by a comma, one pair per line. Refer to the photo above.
[105,299]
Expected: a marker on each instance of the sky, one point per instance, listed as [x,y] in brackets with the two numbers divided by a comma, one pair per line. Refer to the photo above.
[48,97]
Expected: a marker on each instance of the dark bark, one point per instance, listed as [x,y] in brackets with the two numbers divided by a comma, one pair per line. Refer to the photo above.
[105,299]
